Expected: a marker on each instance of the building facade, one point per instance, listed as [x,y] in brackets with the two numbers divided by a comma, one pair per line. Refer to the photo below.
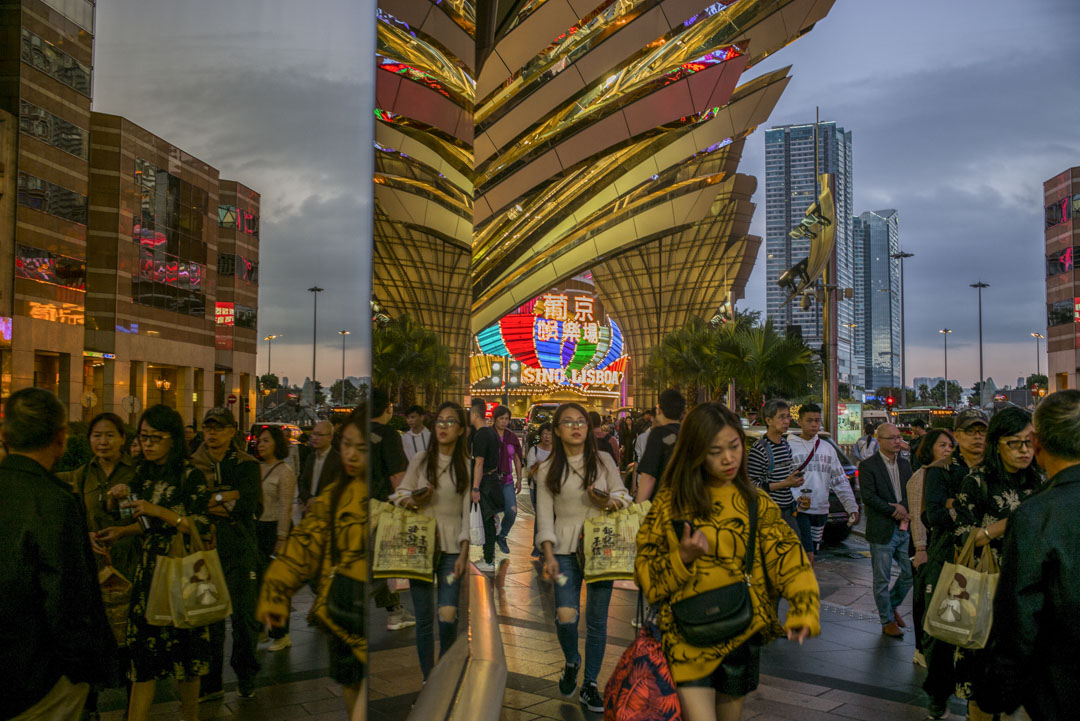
[1061,200]
[790,188]
[878,320]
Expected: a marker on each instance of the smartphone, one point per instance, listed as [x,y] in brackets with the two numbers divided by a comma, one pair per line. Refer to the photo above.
[602,494]
[678,525]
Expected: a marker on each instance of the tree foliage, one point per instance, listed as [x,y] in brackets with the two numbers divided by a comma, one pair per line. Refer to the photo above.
[406,357]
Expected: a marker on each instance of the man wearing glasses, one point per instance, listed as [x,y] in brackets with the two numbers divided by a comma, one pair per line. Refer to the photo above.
[321,467]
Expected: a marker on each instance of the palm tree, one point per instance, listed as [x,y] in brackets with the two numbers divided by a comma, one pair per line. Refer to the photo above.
[763,361]
[405,355]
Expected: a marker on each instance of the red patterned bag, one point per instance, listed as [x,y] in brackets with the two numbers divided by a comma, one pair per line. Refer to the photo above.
[641,687]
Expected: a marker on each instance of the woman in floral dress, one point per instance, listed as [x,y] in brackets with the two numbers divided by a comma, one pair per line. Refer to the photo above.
[991,492]
[173,495]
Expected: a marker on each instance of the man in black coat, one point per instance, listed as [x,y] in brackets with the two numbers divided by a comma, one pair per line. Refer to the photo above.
[1032,655]
[322,467]
[883,478]
[54,637]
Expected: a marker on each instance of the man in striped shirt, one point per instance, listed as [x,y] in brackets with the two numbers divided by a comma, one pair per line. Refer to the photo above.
[769,461]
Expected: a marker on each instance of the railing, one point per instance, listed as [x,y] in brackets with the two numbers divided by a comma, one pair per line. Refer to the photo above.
[468,682]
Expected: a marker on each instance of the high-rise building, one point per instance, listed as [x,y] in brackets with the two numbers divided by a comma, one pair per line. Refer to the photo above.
[879,319]
[790,188]
[1061,199]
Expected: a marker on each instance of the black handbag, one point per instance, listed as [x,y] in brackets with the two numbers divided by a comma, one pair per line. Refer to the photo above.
[721,614]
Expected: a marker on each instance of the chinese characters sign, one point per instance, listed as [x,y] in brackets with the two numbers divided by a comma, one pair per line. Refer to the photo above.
[579,325]
[224,313]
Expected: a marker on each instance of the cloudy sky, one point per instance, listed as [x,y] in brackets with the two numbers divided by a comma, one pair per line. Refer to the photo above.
[959,111]
[276,94]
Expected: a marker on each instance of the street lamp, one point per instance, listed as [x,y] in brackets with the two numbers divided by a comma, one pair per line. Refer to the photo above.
[982,394]
[162,386]
[314,290]
[851,359]
[1038,355]
[269,350]
[902,256]
[343,333]
[945,332]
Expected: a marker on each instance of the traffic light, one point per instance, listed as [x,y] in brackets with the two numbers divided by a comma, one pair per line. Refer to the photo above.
[890,402]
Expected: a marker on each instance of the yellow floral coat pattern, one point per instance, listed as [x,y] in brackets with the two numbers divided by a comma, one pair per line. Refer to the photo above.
[664,579]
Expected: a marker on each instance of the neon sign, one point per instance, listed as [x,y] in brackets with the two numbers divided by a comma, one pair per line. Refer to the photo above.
[224,313]
[66,313]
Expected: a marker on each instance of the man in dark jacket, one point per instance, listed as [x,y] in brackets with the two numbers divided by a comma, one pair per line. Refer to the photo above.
[1032,656]
[54,637]
[322,466]
[883,478]
[235,483]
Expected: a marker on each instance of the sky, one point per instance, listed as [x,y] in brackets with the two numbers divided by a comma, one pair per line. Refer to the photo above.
[275,94]
[959,111]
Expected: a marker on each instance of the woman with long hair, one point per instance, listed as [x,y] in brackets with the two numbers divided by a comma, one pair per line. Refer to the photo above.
[173,496]
[278,492]
[935,450]
[694,541]
[575,482]
[437,485]
[991,492]
[330,547]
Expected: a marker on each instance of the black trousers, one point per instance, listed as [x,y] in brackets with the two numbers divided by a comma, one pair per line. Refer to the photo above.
[491,503]
[266,535]
[242,568]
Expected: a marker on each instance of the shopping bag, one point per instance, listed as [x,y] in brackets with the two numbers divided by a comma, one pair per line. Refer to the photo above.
[961,610]
[159,600]
[116,595]
[404,545]
[641,688]
[476,526]
[609,543]
[200,596]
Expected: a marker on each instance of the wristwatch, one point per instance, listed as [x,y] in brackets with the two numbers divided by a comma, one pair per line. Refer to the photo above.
[219,498]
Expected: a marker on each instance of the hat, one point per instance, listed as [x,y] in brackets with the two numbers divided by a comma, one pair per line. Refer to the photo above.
[969,417]
[220,416]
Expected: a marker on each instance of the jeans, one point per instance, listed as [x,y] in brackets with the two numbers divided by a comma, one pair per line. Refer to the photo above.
[424,602]
[597,599]
[509,509]
[882,556]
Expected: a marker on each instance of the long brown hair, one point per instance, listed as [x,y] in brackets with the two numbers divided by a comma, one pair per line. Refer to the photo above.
[559,465]
[459,463]
[685,473]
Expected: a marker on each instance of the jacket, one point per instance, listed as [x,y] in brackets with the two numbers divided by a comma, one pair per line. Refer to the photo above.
[877,494]
[237,471]
[665,579]
[1034,638]
[331,470]
[306,557]
[823,474]
[90,485]
[52,620]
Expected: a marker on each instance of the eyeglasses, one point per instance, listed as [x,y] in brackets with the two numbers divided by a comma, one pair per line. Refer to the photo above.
[152,439]
[568,423]
[1018,444]
[446,422]
[978,431]
[888,438]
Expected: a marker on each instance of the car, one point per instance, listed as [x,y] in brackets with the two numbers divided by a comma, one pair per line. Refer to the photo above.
[538,414]
[836,527]
[292,434]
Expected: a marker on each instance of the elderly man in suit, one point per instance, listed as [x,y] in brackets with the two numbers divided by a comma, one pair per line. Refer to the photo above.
[883,478]
[321,467]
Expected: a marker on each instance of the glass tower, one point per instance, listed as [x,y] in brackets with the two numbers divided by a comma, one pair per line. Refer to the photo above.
[880,282]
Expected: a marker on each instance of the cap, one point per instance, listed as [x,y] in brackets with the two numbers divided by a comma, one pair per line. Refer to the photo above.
[220,416]
[969,417]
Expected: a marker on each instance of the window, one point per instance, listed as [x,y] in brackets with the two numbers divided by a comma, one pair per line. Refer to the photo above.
[1060,313]
[245,317]
[170,212]
[168,282]
[230,265]
[79,12]
[57,132]
[1058,212]
[55,63]
[233,218]
[1059,263]
[42,195]
[52,268]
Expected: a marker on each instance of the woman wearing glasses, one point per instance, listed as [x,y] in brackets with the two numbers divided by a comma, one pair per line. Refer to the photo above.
[992,491]
[173,497]
[572,484]
[437,485]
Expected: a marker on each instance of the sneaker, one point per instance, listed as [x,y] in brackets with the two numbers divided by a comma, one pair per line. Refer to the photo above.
[211,695]
[918,659]
[485,567]
[399,619]
[568,682]
[937,709]
[245,688]
[591,699]
[280,644]
[500,541]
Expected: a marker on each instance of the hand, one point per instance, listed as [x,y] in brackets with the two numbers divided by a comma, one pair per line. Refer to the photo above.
[96,546]
[551,567]
[409,503]
[853,518]
[517,485]
[795,480]
[692,546]
[279,546]
[273,620]
[111,535]
[460,565]
[982,537]
[919,559]
[949,503]
[475,496]
[120,491]
[899,512]
[142,508]
[799,634]
[612,505]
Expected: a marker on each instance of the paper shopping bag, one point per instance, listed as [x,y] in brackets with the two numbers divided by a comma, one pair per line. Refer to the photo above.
[159,600]
[116,595]
[610,543]
[961,609]
[404,545]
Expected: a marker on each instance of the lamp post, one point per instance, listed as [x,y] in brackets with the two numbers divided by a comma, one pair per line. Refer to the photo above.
[982,393]
[1038,354]
[162,386]
[851,360]
[945,333]
[269,350]
[343,333]
[902,256]
[314,290]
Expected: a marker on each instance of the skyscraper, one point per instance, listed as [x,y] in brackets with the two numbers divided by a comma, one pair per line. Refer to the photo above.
[789,190]
[879,327]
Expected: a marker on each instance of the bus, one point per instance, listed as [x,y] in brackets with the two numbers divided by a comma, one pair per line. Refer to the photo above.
[934,416]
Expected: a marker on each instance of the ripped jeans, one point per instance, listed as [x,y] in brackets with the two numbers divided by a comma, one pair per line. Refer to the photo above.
[423,596]
[597,599]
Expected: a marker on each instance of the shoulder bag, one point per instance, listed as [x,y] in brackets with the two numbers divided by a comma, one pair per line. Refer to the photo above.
[721,614]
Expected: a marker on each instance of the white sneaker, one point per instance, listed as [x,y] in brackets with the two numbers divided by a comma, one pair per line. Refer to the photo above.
[280,644]
[485,567]
[918,659]
[399,619]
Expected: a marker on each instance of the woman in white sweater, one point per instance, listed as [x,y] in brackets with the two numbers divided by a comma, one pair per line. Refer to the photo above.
[576,482]
[278,490]
[436,484]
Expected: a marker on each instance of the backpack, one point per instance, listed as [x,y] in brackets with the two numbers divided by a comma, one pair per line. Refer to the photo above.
[641,687]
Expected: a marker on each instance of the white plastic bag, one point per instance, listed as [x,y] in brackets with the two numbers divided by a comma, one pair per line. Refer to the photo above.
[476,526]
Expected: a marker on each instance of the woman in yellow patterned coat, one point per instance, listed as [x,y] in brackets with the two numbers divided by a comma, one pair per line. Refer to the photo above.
[330,542]
[707,484]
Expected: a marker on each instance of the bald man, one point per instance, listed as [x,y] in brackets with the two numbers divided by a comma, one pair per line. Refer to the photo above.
[883,478]
[322,467]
